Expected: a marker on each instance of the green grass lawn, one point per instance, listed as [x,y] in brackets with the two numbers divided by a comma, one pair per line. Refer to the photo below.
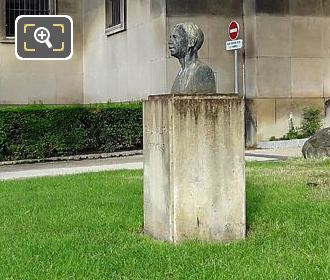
[90,227]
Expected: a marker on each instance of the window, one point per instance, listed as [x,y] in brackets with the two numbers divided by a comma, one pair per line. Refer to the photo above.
[15,8]
[115,16]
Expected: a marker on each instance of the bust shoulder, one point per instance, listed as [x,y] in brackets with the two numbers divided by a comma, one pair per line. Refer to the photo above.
[201,67]
[204,78]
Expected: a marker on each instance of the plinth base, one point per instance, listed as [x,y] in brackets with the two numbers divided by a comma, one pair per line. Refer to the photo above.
[194,179]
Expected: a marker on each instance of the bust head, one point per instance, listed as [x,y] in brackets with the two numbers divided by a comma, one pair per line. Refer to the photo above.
[185,38]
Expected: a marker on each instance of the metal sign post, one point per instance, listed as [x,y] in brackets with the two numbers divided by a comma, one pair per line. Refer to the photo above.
[236,71]
[234,45]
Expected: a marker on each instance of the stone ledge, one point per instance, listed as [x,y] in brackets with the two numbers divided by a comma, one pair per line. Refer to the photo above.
[74,158]
[195,96]
[282,144]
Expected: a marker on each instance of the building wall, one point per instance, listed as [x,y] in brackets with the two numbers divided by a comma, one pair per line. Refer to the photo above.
[136,63]
[287,57]
[128,65]
[57,82]
[287,61]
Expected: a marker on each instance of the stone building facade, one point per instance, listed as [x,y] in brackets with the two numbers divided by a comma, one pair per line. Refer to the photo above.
[48,82]
[286,57]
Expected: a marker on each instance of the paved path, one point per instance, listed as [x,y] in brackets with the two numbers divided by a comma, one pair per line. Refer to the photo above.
[68,167]
[23,171]
[273,154]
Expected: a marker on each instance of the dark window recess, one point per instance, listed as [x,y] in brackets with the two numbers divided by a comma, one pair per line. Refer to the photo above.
[113,12]
[15,8]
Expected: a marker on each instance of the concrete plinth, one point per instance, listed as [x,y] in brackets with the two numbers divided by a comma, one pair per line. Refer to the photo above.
[194,179]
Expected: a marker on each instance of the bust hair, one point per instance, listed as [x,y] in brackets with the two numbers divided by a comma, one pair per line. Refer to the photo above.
[194,33]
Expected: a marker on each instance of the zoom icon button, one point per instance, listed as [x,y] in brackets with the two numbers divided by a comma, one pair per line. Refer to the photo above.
[39,36]
[44,37]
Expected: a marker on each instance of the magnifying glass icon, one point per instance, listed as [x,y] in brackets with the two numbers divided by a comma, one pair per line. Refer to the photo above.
[42,35]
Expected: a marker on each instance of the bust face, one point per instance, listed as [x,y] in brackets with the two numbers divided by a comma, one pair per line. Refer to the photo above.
[178,43]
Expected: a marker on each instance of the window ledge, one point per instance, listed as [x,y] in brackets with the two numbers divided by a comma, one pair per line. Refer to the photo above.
[115,29]
[8,40]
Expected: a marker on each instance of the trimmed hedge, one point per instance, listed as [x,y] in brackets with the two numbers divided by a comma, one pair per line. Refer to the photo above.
[40,131]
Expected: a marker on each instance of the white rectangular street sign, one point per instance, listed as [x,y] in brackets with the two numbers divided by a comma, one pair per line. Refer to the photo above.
[234,45]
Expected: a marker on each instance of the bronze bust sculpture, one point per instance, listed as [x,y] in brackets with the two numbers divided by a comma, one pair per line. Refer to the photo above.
[194,76]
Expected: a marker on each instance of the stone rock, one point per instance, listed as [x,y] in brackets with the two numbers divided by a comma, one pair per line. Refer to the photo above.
[318,146]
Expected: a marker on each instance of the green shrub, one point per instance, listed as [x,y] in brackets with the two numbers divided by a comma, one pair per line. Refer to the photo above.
[311,121]
[292,134]
[310,124]
[39,131]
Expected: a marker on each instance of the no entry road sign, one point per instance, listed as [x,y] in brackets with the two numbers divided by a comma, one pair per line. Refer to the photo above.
[234,45]
[233,30]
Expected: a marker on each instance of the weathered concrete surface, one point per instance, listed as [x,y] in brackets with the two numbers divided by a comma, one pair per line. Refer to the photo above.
[286,62]
[194,181]
[207,7]
[270,116]
[318,146]
[128,65]
[47,82]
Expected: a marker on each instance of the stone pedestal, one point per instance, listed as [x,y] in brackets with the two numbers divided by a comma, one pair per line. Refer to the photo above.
[194,179]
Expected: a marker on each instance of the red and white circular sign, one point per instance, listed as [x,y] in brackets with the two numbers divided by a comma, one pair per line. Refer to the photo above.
[233,30]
